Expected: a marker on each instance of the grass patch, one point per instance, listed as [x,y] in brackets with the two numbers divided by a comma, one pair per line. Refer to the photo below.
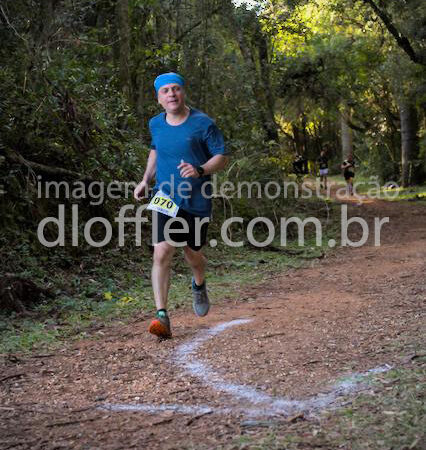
[411,193]
[391,416]
[390,192]
[369,186]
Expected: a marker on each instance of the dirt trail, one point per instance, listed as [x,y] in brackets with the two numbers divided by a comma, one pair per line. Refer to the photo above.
[355,309]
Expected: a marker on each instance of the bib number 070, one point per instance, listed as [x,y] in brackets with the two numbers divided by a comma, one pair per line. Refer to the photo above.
[162,203]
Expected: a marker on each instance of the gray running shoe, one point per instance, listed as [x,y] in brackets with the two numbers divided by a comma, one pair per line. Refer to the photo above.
[200,300]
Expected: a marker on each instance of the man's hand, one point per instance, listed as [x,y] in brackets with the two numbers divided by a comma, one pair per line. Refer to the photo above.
[188,170]
[141,190]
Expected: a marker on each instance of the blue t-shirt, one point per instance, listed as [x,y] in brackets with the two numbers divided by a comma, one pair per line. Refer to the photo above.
[194,141]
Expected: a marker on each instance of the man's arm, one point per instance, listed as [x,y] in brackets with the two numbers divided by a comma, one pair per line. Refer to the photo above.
[213,165]
[142,188]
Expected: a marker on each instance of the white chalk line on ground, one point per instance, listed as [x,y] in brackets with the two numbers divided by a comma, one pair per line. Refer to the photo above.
[260,404]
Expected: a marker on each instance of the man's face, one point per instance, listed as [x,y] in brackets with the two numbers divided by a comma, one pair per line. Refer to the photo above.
[172,97]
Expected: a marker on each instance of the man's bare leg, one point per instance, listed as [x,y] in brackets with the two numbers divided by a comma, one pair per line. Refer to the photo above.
[350,186]
[160,276]
[198,263]
[163,255]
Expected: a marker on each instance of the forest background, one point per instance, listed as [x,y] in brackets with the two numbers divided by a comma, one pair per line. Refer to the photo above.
[279,77]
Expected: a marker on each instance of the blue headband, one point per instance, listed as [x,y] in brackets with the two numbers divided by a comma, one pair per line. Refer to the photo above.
[168,78]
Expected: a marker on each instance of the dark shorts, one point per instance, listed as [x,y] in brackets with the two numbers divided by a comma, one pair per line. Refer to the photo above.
[195,237]
[348,175]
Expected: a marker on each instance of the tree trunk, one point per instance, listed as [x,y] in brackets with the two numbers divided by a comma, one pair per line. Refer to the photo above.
[261,88]
[346,132]
[41,29]
[303,121]
[298,142]
[143,88]
[123,26]
[409,125]
[262,45]
[47,8]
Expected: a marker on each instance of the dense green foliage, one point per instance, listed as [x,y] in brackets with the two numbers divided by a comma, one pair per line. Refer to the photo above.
[76,90]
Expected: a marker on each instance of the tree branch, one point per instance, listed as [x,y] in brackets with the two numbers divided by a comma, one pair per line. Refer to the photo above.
[401,40]
[196,24]
[285,132]
[356,127]
[16,157]
[11,26]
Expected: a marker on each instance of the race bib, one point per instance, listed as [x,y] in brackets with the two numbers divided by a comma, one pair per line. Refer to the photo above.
[162,203]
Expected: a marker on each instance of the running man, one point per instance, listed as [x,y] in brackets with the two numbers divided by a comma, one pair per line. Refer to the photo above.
[323,169]
[348,167]
[186,148]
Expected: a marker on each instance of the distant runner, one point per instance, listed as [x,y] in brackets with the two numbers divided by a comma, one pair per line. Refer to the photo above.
[323,169]
[348,167]
[300,166]
[186,148]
